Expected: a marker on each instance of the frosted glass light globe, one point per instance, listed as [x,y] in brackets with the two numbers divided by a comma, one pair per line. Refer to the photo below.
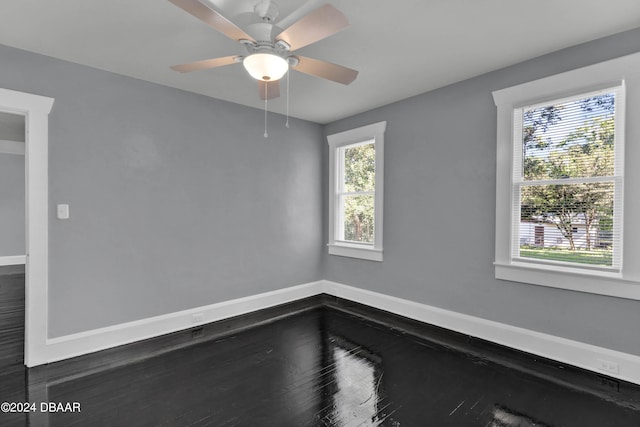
[265,66]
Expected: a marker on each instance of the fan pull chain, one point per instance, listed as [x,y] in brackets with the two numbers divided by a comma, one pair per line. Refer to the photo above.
[287,123]
[266,86]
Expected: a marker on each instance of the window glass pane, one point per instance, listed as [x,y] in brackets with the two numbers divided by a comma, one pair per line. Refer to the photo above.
[359,168]
[357,217]
[569,139]
[570,223]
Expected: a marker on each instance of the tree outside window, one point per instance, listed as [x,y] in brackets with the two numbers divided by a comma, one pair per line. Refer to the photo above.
[568,179]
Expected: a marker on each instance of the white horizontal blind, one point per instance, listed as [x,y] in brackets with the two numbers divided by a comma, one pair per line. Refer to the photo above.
[567,181]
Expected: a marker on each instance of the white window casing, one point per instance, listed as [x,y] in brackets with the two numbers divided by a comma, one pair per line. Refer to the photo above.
[373,133]
[621,75]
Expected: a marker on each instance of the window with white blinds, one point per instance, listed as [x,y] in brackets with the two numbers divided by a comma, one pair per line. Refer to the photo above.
[568,179]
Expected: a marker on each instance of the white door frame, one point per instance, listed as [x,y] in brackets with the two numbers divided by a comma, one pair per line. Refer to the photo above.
[36,110]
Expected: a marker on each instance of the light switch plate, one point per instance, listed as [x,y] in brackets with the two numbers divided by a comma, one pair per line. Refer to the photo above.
[63,211]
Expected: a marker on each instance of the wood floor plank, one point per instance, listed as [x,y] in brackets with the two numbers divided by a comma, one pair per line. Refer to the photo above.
[12,315]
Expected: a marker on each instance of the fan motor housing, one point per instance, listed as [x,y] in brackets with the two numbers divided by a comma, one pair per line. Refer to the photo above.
[267,46]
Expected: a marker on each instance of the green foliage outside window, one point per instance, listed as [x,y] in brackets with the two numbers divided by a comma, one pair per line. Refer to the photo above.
[566,141]
[359,178]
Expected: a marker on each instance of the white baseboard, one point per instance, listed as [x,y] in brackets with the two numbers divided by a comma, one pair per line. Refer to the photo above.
[86,342]
[13,260]
[563,350]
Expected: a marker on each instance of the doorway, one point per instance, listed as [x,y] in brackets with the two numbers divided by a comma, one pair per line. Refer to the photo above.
[12,241]
[30,267]
[539,235]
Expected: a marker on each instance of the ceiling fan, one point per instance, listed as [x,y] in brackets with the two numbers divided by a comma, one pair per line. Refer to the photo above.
[268,60]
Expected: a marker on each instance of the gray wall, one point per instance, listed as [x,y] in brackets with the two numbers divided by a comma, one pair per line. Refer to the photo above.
[176,200]
[440,150]
[12,127]
[12,204]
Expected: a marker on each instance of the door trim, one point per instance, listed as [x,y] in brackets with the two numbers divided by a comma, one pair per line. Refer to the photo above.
[36,110]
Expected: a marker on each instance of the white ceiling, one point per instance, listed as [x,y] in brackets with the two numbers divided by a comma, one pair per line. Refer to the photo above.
[401,48]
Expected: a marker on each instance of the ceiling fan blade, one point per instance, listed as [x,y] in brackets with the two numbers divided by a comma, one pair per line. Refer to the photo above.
[272,89]
[213,18]
[325,70]
[205,64]
[307,7]
[317,25]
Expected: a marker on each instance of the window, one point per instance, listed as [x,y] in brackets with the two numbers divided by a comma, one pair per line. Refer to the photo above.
[566,180]
[355,202]
[562,146]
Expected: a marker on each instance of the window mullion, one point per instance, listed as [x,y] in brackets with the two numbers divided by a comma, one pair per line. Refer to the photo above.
[357,193]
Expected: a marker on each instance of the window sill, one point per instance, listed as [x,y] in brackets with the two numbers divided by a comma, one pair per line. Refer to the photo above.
[355,251]
[596,282]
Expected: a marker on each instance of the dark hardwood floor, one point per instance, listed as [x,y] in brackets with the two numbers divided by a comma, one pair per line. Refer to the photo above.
[11,318]
[325,366]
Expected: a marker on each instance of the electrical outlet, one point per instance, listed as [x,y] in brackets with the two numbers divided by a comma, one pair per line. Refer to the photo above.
[197,332]
[197,318]
[608,366]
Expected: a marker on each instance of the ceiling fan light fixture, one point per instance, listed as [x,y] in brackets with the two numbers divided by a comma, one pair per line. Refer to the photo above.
[265,66]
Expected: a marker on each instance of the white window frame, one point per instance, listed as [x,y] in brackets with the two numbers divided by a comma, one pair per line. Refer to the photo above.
[623,282]
[373,132]
[618,176]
